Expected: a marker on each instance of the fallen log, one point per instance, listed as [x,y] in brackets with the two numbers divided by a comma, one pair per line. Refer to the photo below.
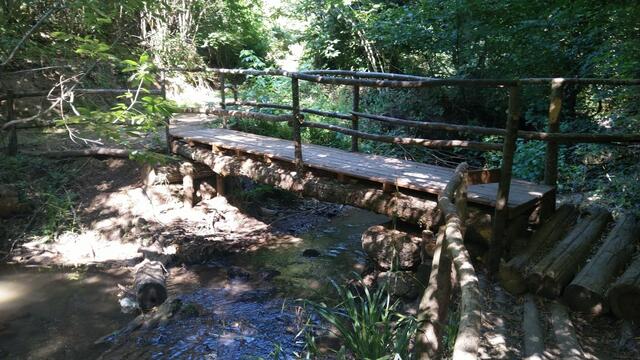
[564,333]
[533,338]
[150,284]
[551,274]
[586,292]
[624,293]
[434,304]
[404,207]
[512,273]
[110,152]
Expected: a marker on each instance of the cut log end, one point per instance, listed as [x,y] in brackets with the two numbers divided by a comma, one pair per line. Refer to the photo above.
[151,295]
[585,300]
[625,301]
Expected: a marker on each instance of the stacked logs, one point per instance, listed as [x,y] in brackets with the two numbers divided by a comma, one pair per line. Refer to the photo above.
[569,256]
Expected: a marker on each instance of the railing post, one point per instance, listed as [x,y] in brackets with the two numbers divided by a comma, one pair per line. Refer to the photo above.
[223,101]
[12,146]
[551,157]
[297,142]
[163,90]
[354,117]
[501,214]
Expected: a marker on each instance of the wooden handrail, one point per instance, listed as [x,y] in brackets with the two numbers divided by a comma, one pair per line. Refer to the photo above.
[438,144]
[553,136]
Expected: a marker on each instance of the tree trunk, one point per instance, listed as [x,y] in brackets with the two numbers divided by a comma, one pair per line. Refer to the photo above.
[549,276]
[407,208]
[624,294]
[586,292]
[150,284]
[512,274]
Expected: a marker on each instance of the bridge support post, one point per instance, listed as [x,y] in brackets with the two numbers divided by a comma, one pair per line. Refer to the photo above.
[188,190]
[295,123]
[12,146]
[501,214]
[551,156]
[354,117]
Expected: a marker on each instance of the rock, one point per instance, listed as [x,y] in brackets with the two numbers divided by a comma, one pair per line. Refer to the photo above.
[391,247]
[269,274]
[311,253]
[238,273]
[400,284]
[479,229]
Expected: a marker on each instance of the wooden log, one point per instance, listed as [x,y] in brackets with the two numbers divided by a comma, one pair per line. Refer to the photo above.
[354,118]
[188,188]
[532,330]
[295,124]
[109,152]
[434,304]
[512,273]
[565,334]
[501,213]
[586,292]
[407,208]
[172,172]
[551,274]
[438,144]
[468,337]
[150,284]
[624,293]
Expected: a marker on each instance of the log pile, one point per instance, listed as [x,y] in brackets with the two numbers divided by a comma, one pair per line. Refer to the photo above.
[556,269]
[586,292]
[624,294]
[512,274]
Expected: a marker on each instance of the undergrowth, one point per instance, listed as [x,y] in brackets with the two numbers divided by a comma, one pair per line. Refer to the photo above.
[47,187]
[367,322]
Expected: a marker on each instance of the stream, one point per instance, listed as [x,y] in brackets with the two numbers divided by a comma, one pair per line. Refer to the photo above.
[240,306]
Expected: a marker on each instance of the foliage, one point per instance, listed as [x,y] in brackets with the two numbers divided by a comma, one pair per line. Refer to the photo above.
[368,323]
[47,187]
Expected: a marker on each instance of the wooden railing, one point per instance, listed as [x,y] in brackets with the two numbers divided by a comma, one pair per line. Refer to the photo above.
[450,252]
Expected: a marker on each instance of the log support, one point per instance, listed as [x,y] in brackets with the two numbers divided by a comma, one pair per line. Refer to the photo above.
[407,208]
[502,211]
[188,188]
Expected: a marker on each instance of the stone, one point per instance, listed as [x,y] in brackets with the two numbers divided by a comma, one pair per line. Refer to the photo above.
[391,248]
[401,284]
[311,253]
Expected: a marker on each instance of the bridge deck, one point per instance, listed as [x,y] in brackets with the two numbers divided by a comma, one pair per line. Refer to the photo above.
[404,174]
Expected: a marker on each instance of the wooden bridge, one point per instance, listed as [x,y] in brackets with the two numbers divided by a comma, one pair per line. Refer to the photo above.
[400,188]
[391,179]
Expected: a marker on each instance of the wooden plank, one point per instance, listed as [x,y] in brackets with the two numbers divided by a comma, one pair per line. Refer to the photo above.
[405,174]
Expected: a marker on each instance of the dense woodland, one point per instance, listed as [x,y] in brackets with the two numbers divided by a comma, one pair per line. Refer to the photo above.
[62,46]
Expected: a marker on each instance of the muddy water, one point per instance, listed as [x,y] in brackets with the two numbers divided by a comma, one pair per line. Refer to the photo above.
[56,314]
[235,307]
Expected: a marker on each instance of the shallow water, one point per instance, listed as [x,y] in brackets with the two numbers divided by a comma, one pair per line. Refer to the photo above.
[243,306]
